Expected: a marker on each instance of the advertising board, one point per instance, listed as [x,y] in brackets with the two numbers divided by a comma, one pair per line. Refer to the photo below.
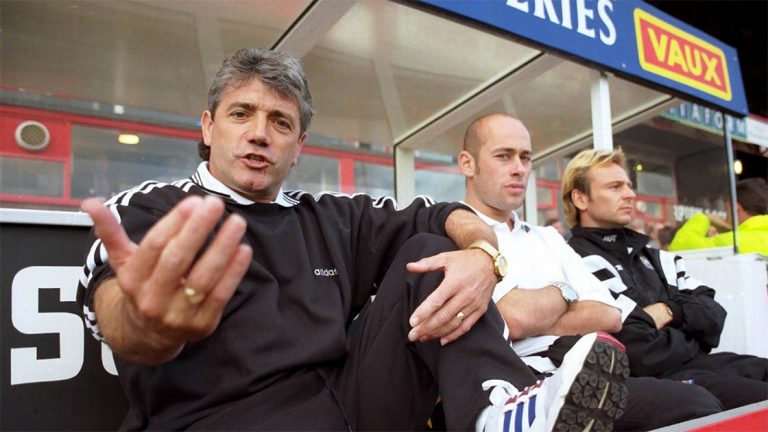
[627,37]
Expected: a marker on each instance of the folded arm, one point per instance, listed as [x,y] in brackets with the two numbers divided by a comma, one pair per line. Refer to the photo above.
[652,351]
[537,312]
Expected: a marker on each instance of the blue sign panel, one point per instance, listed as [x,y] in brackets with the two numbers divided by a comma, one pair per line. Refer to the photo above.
[627,37]
[708,119]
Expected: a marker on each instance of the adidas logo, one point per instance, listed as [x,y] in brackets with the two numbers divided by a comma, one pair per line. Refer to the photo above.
[326,272]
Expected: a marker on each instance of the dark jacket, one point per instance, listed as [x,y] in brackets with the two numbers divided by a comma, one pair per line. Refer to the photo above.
[639,274]
[316,262]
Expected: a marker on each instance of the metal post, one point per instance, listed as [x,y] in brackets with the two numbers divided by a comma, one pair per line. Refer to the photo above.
[600,97]
[531,205]
[731,182]
[405,176]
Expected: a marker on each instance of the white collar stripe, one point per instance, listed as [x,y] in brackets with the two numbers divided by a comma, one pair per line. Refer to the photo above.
[213,186]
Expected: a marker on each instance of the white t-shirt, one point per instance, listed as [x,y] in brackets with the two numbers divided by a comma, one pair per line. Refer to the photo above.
[536,257]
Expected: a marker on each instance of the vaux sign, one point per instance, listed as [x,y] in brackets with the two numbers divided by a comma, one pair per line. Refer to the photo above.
[628,37]
[665,50]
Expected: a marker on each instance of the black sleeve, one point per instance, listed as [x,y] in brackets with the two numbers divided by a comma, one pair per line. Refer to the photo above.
[694,309]
[379,229]
[137,213]
[698,315]
[653,351]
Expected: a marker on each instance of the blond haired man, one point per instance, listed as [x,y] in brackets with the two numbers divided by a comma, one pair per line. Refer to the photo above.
[671,320]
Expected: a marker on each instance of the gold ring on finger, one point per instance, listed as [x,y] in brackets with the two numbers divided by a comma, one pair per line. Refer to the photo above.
[193,296]
[460,316]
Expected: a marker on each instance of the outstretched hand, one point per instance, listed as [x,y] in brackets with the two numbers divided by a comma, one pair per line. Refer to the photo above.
[152,277]
[459,301]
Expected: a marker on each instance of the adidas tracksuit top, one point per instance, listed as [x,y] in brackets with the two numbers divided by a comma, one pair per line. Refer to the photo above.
[316,262]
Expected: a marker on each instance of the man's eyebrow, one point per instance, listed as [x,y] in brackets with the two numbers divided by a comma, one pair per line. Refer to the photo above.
[278,112]
[513,150]
[283,114]
[244,105]
[253,107]
[620,182]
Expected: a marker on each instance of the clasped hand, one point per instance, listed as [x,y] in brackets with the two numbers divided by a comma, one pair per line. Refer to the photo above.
[467,288]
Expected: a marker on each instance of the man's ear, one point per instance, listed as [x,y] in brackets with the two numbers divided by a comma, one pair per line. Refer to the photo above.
[466,163]
[206,125]
[302,138]
[580,199]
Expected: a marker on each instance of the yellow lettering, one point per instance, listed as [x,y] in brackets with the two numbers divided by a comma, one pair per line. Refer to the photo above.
[676,55]
[659,45]
[711,64]
[694,64]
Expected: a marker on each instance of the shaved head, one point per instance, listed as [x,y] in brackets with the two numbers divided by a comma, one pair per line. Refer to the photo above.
[477,131]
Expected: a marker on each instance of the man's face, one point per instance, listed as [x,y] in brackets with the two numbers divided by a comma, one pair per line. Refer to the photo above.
[254,140]
[498,174]
[610,200]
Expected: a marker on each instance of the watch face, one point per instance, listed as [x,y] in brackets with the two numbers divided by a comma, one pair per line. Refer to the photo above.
[569,294]
[501,263]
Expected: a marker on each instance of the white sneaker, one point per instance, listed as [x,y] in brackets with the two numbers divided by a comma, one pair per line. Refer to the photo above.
[586,393]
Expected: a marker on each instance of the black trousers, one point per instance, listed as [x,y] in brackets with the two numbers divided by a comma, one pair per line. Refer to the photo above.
[735,379]
[654,403]
[387,382]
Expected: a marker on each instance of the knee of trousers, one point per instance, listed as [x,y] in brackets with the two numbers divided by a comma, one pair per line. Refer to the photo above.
[424,245]
[420,246]
[700,402]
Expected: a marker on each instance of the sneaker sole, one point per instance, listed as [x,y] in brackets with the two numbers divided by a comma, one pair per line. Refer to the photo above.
[598,394]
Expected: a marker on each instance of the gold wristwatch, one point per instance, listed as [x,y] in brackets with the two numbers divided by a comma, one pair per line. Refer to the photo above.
[499,262]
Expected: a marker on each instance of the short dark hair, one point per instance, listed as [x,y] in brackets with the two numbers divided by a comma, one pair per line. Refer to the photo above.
[665,235]
[752,194]
[277,70]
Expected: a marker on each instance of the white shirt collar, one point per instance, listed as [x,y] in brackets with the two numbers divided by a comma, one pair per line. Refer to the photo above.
[211,184]
[495,224]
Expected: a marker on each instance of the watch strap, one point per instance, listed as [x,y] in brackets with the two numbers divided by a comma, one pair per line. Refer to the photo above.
[492,252]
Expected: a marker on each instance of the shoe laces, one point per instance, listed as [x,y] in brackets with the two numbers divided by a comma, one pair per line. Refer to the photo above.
[503,393]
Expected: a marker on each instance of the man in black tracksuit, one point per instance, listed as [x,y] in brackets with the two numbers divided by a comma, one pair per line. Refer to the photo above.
[671,321]
[279,345]
[230,304]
